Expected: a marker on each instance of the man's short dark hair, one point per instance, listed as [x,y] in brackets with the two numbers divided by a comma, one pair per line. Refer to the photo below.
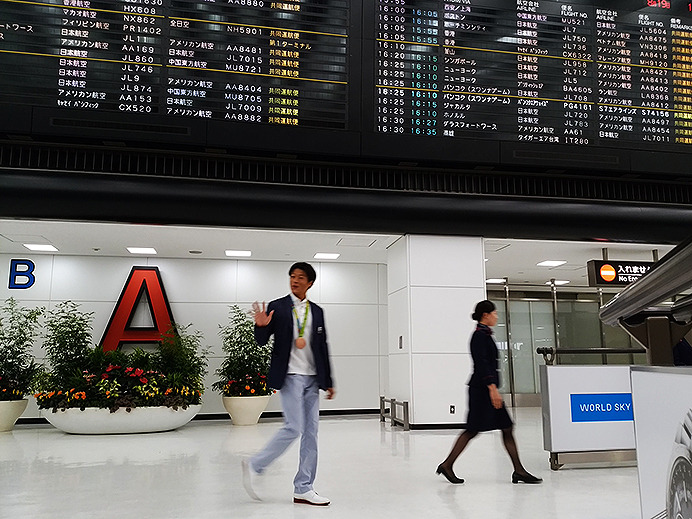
[305,267]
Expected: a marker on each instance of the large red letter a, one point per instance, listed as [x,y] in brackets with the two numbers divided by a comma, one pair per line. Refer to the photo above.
[119,329]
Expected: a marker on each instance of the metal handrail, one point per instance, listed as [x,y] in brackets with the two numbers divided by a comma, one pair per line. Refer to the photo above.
[549,353]
[392,414]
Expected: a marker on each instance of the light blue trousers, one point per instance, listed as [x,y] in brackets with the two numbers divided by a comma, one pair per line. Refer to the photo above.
[301,409]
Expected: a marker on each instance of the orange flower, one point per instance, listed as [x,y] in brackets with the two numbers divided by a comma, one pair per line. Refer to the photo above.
[252,391]
[247,387]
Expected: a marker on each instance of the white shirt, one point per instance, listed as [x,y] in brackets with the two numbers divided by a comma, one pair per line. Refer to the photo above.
[301,362]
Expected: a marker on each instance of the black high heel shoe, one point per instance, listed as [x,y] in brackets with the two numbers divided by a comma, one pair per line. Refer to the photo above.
[525,478]
[449,475]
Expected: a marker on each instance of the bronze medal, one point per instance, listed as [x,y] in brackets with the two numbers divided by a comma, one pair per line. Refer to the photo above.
[300,341]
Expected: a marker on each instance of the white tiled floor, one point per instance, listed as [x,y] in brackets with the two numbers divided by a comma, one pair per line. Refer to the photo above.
[367,469]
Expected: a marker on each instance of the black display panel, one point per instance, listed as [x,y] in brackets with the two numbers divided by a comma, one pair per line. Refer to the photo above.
[577,73]
[602,84]
[144,65]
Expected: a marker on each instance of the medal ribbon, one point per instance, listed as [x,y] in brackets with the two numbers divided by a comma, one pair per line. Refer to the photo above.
[301,327]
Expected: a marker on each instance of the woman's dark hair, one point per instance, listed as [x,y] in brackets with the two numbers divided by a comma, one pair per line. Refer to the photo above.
[305,267]
[483,307]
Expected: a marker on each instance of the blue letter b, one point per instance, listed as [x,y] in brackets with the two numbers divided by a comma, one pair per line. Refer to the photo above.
[26,272]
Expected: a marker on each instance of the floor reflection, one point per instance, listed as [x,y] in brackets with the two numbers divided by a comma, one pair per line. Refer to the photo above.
[368,469]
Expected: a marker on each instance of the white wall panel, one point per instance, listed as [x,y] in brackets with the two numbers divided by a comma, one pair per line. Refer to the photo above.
[440,381]
[357,383]
[383,362]
[265,281]
[211,400]
[31,410]
[200,292]
[36,350]
[274,403]
[205,317]
[400,377]
[43,275]
[382,284]
[397,265]
[446,261]
[442,279]
[352,329]
[441,318]
[383,333]
[348,283]
[102,311]
[212,281]
[398,322]
[91,279]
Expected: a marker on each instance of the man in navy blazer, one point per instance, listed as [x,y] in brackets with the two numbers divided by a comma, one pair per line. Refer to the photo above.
[299,368]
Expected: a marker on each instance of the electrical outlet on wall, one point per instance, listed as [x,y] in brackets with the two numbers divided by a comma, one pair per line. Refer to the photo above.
[452,409]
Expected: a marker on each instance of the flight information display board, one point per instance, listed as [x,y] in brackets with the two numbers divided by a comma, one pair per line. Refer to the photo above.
[280,62]
[474,80]
[606,73]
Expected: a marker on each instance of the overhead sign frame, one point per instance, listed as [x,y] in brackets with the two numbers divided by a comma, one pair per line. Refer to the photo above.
[607,273]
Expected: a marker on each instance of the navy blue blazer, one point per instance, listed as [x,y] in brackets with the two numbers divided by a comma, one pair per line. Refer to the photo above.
[484,354]
[281,326]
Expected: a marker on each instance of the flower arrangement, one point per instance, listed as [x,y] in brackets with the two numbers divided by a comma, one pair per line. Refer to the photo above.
[18,330]
[245,368]
[84,376]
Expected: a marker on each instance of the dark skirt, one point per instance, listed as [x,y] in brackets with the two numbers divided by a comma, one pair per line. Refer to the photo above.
[482,415]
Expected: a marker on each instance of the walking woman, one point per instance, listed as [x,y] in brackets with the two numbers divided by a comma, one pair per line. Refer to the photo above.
[487,411]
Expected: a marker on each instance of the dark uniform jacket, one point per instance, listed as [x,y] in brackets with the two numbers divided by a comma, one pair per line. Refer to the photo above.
[281,326]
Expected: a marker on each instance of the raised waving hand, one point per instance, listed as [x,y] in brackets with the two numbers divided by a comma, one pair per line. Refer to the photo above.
[260,314]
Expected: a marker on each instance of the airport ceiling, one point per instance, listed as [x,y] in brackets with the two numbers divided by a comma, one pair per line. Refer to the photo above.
[514,259]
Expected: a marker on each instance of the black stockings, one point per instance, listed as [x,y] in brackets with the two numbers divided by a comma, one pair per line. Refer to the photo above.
[464,439]
[461,443]
[511,446]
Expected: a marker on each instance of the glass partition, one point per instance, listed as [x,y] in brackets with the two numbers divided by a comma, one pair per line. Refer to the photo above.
[500,332]
[615,337]
[529,322]
[531,327]
[579,327]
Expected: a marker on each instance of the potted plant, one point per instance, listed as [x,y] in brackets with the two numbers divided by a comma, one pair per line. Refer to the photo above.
[18,369]
[243,372]
[90,391]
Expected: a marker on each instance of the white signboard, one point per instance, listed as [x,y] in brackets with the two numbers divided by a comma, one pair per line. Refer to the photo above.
[586,408]
[663,426]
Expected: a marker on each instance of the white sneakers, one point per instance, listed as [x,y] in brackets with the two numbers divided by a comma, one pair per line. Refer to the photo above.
[310,498]
[249,479]
[249,476]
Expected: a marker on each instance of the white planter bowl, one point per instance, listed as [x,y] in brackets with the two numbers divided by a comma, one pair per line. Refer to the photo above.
[9,412]
[139,420]
[245,410]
